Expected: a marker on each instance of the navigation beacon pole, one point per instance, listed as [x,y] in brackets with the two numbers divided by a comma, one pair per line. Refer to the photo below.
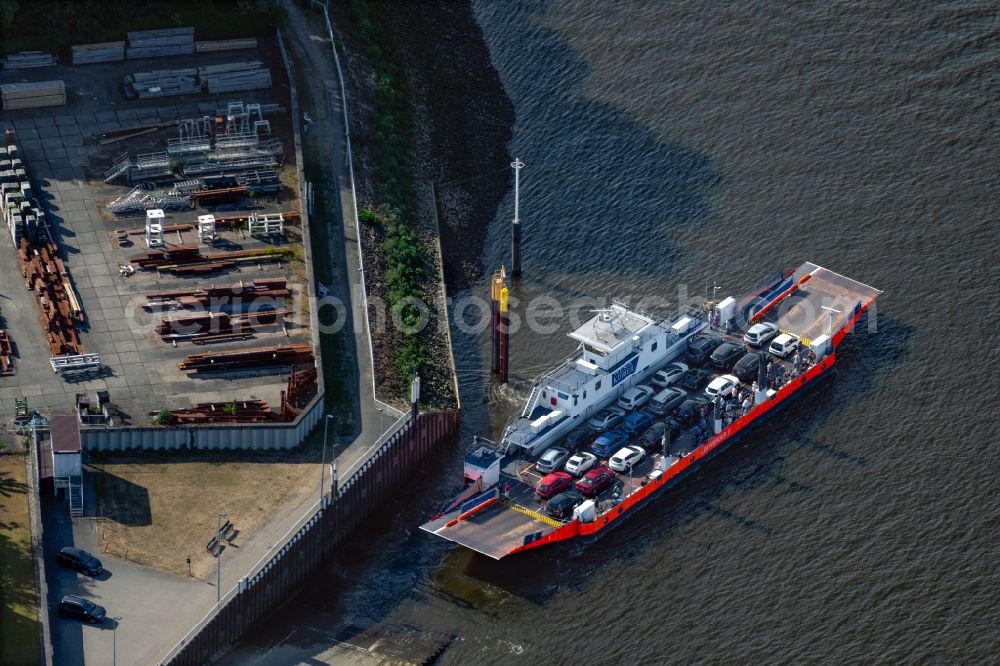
[515,231]
[496,286]
[504,336]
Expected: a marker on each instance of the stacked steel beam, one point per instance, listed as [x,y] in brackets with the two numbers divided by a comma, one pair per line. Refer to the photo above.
[225,45]
[237,411]
[159,43]
[188,259]
[85,54]
[28,59]
[32,95]
[254,357]
[6,355]
[253,294]
[302,386]
[218,326]
[233,76]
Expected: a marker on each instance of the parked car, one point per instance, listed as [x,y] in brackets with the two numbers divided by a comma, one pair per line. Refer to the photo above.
[610,441]
[635,397]
[690,409]
[759,334]
[694,379]
[650,439]
[747,367]
[561,506]
[552,459]
[666,400]
[553,484]
[606,418]
[725,355]
[580,463]
[674,427]
[595,481]
[80,560]
[636,422]
[700,348]
[784,344]
[669,374]
[78,608]
[626,458]
[578,439]
[724,385]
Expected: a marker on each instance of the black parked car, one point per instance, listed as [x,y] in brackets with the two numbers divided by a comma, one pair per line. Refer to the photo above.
[694,379]
[674,427]
[690,410]
[700,348]
[80,560]
[81,609]
[650,440]
[746,368]
[725,355]
[578,440]
[561,506]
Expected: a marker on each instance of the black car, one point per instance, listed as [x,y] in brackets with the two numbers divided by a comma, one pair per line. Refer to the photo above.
[578,439]
[650,439]
[725,355]
[674,427]
[81,609]
[690,410]
[561,506]
[81,560]
[700,348]
[694,379]
[747,367]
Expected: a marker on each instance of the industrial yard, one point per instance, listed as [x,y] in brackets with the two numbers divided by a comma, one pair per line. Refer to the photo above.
[170,274]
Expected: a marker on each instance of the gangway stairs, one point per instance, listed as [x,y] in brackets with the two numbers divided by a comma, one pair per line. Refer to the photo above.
[530,404]
[75,495]
[121,166]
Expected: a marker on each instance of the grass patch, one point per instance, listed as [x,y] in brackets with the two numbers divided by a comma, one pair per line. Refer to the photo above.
[55,25]
[18,609]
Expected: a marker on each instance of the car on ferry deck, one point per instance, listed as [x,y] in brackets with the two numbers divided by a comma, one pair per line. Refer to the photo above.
[700,348]
[747,367]
[668,374]
[578,439]
[784,344]
[650,438]
[666,400]
[553,484]
[606,418]
[723,385]
[759,334]
[626,458]
[725,355]
[635,397]
[674,427]
[608,443]
[561,506]
[595,481]
[552,459]
[580,463]
[636,422]
[690,409]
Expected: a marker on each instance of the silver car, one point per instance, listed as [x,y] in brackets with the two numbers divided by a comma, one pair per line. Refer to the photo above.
[552,459]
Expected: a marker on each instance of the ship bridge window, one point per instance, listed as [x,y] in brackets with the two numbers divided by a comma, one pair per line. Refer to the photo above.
[652,347]
[597,386]
[562,396]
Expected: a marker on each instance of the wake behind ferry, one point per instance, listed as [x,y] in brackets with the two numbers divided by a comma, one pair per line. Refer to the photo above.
[641,404]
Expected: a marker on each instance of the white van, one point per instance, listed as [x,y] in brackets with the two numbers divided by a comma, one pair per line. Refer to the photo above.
[784,344]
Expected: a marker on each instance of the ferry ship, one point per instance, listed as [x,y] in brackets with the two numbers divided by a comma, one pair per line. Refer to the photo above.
[506,504]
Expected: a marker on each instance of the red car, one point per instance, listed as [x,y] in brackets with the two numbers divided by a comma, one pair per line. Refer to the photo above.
[595,481]
[553,484]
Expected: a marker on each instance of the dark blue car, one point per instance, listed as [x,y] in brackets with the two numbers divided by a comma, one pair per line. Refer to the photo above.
[636,422]
[608,443]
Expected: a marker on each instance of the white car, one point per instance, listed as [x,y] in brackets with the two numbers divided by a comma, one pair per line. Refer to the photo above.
[635,397]
[758,334]
[670,373]
[784,344]
[723,385]
[580,463]
[626,457]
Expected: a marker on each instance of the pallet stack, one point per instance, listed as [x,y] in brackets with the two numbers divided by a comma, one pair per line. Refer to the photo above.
[162,83]
[243,359]
[28,59]
[160,43]
[21,211]
[234,76]
[32,95]
[85,54]
[225,45]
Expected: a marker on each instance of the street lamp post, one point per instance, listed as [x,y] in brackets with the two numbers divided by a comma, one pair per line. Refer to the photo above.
[114,640]
[218,563]
[322,465]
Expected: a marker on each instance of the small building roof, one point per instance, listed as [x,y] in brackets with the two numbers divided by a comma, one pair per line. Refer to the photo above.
[611,327]
[66,434]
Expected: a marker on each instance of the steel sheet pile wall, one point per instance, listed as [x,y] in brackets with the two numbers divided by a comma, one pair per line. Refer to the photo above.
[281,577]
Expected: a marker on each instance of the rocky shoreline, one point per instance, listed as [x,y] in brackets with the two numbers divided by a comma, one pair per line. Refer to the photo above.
[460,123]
